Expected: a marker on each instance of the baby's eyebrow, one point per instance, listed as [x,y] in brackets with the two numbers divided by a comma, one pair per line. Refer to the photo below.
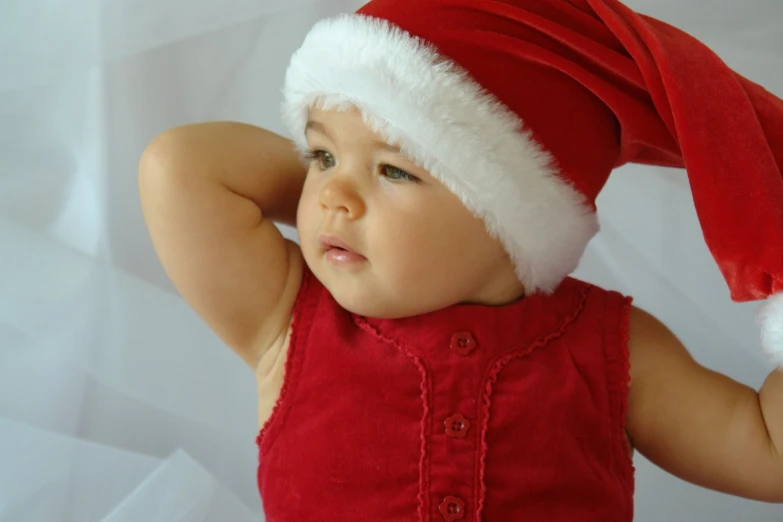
[316,126]
[387,146]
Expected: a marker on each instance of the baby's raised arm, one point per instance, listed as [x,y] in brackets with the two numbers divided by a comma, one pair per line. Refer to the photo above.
[209,193]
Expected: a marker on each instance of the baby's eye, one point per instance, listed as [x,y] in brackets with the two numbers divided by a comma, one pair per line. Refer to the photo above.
[395,174]
[324,159]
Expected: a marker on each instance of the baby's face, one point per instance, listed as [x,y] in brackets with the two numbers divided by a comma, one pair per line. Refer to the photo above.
[420,248]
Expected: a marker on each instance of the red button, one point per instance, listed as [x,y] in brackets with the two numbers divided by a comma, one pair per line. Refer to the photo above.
[457,426]
[452,508]
[463,343]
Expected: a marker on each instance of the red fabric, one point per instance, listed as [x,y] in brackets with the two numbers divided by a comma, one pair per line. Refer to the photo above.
[468,413]
[600,86]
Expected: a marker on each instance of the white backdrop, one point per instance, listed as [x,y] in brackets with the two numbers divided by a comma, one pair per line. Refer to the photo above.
[116,403]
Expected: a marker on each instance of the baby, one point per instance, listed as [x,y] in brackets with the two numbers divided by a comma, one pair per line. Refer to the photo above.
[422,353]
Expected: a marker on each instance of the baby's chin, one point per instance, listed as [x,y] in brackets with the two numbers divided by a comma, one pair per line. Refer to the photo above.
[368,293]
[366,303]
[361,298]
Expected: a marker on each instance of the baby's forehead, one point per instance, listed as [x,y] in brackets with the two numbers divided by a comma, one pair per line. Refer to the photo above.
[349,123]
[340,118]
[332,107]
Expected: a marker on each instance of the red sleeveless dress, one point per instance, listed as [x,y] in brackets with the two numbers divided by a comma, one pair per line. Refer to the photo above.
[469,413]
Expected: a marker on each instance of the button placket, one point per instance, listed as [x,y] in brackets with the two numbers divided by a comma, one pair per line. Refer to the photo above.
[457,426]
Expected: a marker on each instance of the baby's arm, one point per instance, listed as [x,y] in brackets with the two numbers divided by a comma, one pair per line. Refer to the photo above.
[700,425]
[209,193]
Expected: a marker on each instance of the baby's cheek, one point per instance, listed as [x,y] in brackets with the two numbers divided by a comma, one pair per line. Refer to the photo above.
[307,209]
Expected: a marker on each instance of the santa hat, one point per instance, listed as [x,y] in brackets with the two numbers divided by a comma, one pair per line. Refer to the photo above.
[523,108]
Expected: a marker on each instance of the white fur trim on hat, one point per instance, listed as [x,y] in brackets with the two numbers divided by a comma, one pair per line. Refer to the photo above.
[447,123]
[771,322]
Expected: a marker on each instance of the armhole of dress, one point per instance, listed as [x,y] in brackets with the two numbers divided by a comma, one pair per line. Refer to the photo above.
[619,376]
[302,318]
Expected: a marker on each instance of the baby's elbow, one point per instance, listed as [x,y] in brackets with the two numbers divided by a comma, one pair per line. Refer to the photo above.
[160,154]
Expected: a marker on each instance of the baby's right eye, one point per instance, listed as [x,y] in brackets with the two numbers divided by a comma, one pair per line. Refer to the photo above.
[324,159]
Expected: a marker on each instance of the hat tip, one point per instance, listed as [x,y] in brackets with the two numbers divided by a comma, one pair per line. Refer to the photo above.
[770,320]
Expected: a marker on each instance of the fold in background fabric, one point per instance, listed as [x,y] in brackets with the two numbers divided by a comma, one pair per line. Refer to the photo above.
[114,398]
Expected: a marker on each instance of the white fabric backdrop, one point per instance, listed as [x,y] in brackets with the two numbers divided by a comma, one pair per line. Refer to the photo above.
[116,403]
